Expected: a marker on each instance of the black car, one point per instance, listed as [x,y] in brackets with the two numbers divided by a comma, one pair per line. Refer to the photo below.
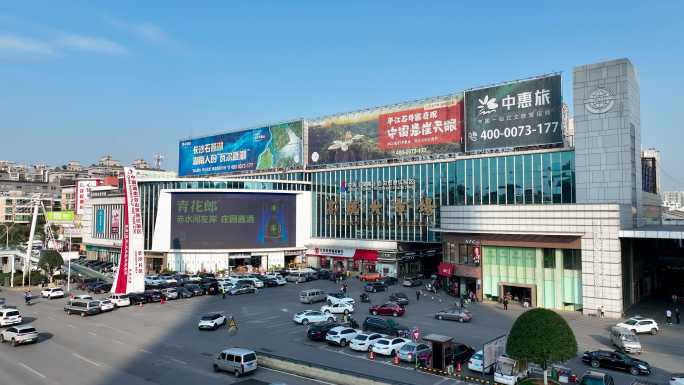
[183,292]
[102,288]
[383,326]
[193,288]
[209,286]
[400,298]
[137,298]
[318,331]
[323,274]
[333,276]
[374,287]
[460,353]
[388,281]
[153,296]
[616,360]
[412,281]
[270,282]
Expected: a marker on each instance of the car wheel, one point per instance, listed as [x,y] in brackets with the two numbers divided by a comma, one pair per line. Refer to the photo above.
[393,353]
[395,314]
[82,314]
[439,317]
[375,312]
[305,321]
[461,320]
[14,342]
[346,312]
[634,371]
[595,364]
[654,331]
[2,339]
[327,311]
[68,312]
[634,331]
[375,290]
[216,368]
[237,373]
[343,343]
[330,319]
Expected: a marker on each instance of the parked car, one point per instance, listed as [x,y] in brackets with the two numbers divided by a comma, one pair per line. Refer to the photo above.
[183,292]
[194,289]
[16,335]
[106,305]
[297,277]
[169,293]
[241,288]
[374,287]
[256,281]
[312,296]
[102,288]
[476,362]
[52,292]
[209,286]
[388,346]
[340,335]
[82,307]
[153,296]
[236,360]
[387,308]
[334,298]
[460,353]
[640,324]
[323,274]
[277,278]
[212,321]
[83,296]
[370,277]
[677,379]
[120,300]
[625,340]
[338,308]
[616,360]
[363,342]
[388,281]
[317,331]
[591,377]
[10,316]
[413,351]
[308,316]
[412,281]
[400,298]
[454,314]
[383,326]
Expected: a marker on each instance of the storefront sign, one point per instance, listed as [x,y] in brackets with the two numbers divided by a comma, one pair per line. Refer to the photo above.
[331,252]
[381,185]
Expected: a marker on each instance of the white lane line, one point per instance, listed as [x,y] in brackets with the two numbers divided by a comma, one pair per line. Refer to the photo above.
[118,342]
[92,334]
[175,360]
[30,369]
[71,326]
[296,375]
[80,357]
[145,351]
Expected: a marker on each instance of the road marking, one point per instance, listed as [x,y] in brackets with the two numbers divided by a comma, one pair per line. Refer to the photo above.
[175,360]
[118,342]
[145,351]
[30,369]
[284,310]
[71,326]
[296,375]
[92,334]
[80,357]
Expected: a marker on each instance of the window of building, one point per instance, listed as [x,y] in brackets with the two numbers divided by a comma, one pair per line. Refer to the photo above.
[572,259]
[549,258]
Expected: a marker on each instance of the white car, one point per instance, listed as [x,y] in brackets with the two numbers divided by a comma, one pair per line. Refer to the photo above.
[212,321]
[169,279]
[225,286]
[278,278]
[677,379]
[52,292]
[388,346]
[10,316]
[640,324]
[339,298]
[83,296]
[341,335]
[170,293]
[308,316]
[257,282]
[338,308]
[120,300]
[364,341]
[476,361]
[153,280]
[106,305]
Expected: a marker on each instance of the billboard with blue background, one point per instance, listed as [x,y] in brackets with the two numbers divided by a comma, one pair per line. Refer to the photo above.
[265,148]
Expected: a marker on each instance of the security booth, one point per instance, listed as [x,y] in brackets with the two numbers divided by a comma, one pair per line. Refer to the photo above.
[441,349]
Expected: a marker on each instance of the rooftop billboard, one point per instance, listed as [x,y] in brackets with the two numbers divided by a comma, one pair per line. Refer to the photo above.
[520,114]
[265,148]
[425,127]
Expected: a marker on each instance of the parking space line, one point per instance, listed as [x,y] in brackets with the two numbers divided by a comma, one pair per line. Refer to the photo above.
[175,360]
[80,357]
[30,369]
[71,326]
[145,351]
[118,342]
[92,334]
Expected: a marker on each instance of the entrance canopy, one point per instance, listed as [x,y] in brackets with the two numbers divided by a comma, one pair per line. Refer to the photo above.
[656,231]
[365,255]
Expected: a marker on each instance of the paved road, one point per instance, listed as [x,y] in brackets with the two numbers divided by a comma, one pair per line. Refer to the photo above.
[160,343]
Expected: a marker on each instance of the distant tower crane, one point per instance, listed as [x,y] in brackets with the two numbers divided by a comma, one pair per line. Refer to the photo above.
[158,158]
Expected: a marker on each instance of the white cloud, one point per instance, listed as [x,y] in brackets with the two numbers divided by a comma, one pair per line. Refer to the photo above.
[145,31]
[13,45]
[92,44]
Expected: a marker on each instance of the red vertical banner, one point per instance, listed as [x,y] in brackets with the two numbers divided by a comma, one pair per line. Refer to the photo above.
[121,281]
[130,275]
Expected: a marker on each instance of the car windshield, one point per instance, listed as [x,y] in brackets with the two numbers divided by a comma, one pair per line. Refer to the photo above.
[12,313]
[27,330]
[408,347]
[477,356]
[361,337]
[249,357]
[630,322]
[209,317]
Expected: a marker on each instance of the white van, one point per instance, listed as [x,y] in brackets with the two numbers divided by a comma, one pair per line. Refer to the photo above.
[120,300]
[508,371]
[236,360]
[625,340]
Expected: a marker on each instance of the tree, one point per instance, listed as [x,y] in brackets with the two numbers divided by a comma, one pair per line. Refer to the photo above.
[49,261]
[543,337]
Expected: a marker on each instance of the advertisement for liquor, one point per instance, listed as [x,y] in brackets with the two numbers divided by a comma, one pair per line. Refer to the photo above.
[525,113]
[417,128]
[130,275]
[265,148]
[232,221]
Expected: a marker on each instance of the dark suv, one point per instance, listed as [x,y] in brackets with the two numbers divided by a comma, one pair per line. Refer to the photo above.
[616,360]
[596,378]
[318,331]
[383,326]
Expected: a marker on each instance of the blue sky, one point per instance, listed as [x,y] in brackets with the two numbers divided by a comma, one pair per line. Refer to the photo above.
[131,78]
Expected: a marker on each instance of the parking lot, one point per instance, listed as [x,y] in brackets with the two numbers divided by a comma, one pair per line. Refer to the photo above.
[160,343]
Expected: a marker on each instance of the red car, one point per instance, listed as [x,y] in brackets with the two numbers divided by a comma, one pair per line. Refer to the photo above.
[388,308]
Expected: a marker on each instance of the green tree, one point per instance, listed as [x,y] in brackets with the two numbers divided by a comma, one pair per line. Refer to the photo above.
[49,261]
[543,337]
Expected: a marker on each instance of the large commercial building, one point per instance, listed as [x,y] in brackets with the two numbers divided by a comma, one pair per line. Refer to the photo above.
[482,188]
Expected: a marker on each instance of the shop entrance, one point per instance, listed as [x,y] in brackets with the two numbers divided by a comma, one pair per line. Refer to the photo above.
[519,293]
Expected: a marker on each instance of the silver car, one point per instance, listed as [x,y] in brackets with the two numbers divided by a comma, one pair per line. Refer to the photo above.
[235,360]
[455,314]
[16,335]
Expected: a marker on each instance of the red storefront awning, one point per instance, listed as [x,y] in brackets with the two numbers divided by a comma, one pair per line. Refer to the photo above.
[445,269]
[365,255]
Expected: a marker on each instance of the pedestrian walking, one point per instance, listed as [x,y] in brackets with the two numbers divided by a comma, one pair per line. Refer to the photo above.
[505,303]
[223,292]
[677,315]
[461,302]
[417,295]
[602,313]
[668,316]
[344,288]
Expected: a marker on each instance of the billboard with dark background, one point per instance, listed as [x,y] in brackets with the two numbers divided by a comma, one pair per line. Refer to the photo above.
[416,128]
[520,114]
[277,146]
[232,220]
